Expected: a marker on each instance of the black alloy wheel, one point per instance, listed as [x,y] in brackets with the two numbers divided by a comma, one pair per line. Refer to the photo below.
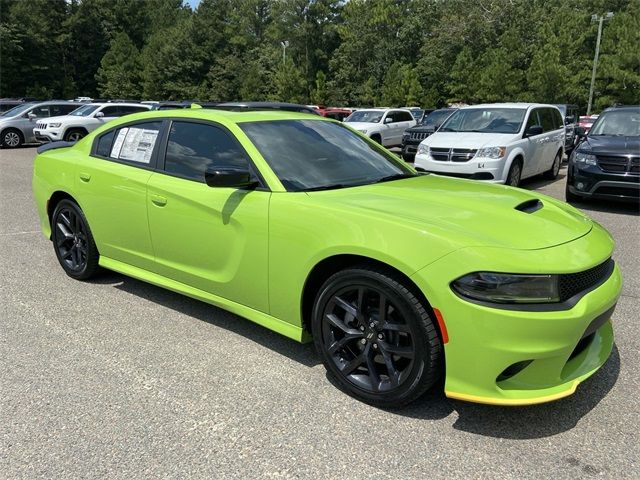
[73,242]
[376,337]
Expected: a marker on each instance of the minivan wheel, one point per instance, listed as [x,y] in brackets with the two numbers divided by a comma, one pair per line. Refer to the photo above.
[514,175]
[73,241]
[12,138]
[376,338]
[552,173]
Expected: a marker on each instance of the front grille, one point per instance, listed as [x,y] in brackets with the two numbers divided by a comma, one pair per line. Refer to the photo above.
[619,164]
[570,284]
[418,135]
[452,154]
[41,126]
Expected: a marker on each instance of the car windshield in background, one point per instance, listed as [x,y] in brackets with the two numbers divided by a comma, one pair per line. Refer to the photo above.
[620,123]
[84,110]
[20,109]
[417,114]
[436,118]
[485,120]
[317,155]
[367,116]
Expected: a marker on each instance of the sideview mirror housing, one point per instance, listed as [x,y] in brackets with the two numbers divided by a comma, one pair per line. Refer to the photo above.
[31,116]
[569,119]
[388,120]
[99,115]
[230,178]
[533,130]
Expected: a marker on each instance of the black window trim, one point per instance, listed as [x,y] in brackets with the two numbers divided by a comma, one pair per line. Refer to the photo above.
[534,110]
[152,165]
[164,142]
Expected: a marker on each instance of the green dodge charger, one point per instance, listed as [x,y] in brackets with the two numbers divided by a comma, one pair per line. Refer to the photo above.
[308,228]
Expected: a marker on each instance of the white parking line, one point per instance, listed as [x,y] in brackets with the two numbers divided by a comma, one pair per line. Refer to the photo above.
[19,233]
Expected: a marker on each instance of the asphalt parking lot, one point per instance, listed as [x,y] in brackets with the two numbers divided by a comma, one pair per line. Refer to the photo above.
[116,378]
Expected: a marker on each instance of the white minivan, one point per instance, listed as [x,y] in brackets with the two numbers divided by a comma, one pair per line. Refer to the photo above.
[498,143]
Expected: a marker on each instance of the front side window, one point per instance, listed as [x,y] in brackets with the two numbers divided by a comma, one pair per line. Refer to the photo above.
[485,120]
[61,109]
[40,112]
[133,143]
[533,119]
[84,111]
[315,154]
[547,119]
[194,148]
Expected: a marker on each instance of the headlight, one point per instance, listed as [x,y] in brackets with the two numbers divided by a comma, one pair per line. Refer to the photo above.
[584,158]
[54,125]
[508,288]
[492,152]
[405,136]
[423,149]
[363,131]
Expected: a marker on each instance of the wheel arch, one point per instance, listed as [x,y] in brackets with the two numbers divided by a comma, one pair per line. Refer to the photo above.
[333,264]
[55,198]
[74,127]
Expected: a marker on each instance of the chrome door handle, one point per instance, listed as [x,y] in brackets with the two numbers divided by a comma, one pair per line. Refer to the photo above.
[158,200]
[85,177]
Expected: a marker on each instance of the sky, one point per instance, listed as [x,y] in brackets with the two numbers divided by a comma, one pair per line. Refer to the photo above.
[192,3]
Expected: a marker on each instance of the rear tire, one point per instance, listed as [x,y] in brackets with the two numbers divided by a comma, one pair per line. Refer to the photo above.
[552,173]
[515,174]
[73,241]
[376,339]
[12,138]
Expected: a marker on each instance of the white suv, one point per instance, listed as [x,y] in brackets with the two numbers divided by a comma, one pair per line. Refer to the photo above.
[499,143]
[384,125]
[83,120]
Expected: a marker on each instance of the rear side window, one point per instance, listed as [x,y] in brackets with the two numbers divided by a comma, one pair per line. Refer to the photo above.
[404,117]
[194,148]
[134,143]
[125,110]
[62,109]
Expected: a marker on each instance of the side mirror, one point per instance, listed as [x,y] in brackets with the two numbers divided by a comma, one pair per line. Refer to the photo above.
[580,132]
[533,130]
[569,119]
[388,120]
[229,177]
[99,115]
[31,116]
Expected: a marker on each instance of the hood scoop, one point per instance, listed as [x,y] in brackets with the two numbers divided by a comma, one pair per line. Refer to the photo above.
[530,206]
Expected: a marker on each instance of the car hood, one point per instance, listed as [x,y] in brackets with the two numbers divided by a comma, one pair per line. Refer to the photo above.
[612,145]
[421,129]
[60,118]
[468,139]
[467,212]
[362,125]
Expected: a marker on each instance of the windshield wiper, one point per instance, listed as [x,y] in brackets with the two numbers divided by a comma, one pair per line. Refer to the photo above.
[325,187]
[396,176]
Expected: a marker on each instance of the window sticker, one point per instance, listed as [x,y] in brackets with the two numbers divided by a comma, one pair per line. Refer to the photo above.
[135,144]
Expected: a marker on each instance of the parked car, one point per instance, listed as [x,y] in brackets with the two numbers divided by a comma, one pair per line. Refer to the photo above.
[571,115]
[85,119]
[17,124]
[9,103]
[336,113]
[606,163]
[414,135]
[254,106]
[586,122]
[384,125]
[499,143]
[314,231]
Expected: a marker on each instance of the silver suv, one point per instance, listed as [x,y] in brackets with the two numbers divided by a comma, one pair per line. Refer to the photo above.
[16,125]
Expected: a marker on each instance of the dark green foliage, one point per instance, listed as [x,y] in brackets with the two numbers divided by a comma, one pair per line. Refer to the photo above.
[360,52]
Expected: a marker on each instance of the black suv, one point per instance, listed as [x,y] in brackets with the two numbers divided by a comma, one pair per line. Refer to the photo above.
[414,135]
[606,162]
[571,116]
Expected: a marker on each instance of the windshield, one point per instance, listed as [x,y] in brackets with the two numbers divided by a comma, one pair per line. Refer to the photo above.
[315,154]
[84,110]
[436,118]
[20,109]
[485,120]
[417,114]
[367,116]
[619,123]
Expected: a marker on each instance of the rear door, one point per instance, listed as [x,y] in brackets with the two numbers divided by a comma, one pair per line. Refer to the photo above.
[112,187]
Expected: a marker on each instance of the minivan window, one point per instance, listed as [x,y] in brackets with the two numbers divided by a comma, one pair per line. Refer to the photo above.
[194,148]
[547,119]
[485,120]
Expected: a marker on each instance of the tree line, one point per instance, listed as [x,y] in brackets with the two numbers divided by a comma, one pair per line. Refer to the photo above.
[357,52]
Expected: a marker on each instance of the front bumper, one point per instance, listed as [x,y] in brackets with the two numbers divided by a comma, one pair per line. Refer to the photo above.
[488,169]
[46,136]
[557,348]
[592,182]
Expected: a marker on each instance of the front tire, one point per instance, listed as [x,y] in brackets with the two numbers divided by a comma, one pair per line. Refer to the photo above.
[515,174]
[12,138]
[552,173]
[375,337]
[73,241]
[74,134]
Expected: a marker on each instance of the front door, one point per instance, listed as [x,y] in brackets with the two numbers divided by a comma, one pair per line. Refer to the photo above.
[213,239]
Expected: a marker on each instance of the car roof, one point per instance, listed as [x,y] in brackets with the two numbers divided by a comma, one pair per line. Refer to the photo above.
[226,116]
[100,104]
[508,105]
[623,107]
